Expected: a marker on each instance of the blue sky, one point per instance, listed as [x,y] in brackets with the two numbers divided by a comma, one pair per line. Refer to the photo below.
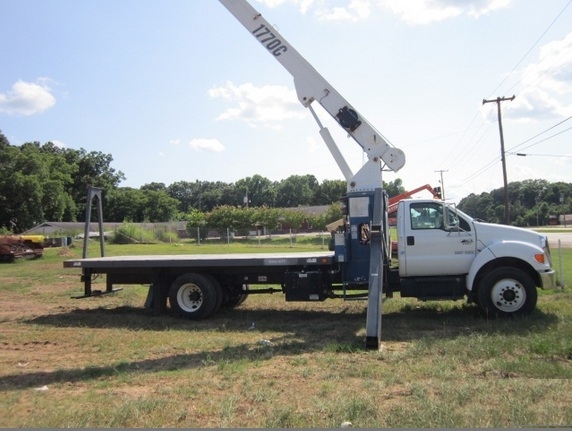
[178,90]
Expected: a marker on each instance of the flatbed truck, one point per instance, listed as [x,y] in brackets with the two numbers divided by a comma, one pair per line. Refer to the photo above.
[442,253]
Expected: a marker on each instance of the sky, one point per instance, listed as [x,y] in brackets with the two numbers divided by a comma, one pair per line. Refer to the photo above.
[178,90]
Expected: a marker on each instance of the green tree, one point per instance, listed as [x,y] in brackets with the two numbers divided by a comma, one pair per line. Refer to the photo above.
[266,217]
[296,190]
[25,197]
[329,191]
[543,211]
[93,169]
[34,183]
[259,191]
[158,187]
[394,188]
[184,192]
[124,204]
[223,217]
[215,194]
[196,223]
[159,206]
[293,218]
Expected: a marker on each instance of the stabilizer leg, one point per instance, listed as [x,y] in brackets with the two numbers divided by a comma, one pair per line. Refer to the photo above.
[376,268]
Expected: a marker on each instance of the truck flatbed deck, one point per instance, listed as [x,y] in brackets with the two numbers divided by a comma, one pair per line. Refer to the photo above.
[226,277]
[100,264]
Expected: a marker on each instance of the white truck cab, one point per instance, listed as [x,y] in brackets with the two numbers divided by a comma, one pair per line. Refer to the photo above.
[443,252]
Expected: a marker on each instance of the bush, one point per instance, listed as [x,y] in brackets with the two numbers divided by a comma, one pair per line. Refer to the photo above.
[166,235]
[128,233]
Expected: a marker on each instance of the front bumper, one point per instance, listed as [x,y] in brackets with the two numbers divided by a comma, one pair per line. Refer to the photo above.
[548,279]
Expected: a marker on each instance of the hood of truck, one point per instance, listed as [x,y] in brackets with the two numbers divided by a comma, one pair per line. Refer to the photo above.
[488,233]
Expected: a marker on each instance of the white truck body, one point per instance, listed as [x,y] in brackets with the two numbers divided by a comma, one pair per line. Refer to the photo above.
[437,240]
[438,250]
[442,253]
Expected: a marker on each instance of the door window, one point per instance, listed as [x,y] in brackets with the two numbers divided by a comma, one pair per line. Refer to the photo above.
[426,216]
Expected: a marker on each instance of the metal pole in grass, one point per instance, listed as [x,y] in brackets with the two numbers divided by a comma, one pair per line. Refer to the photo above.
[560,264]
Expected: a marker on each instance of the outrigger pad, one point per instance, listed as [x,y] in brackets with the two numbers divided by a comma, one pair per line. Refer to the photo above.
[98,293]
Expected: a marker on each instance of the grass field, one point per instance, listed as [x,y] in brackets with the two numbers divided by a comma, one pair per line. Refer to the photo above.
[107,362]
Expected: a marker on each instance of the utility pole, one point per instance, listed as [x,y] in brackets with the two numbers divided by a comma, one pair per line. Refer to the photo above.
[498,100]
[442,184]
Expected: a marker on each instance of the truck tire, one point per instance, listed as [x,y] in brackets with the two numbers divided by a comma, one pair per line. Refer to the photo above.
[234,300]
[219,293]
[507,292]
[233,297]
[193,296]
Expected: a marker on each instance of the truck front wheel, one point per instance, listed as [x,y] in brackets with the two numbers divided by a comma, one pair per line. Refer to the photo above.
[507,291]
[193,296]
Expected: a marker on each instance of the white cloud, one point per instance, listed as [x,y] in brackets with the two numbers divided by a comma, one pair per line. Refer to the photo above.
[421,12]
[175,141]
[534,104]
[547,84]
[553,71]
[27,98]
[268,105]
[413,12]
[208,145]
[303,5]
[476,8]
[59,144]
[350,10]
[356,10]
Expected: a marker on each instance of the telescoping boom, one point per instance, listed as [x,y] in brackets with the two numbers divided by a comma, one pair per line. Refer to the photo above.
[312,87]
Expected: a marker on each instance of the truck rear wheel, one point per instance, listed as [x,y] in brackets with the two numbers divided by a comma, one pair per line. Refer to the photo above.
[194,296]
[233,297]
[507,291]
[234,300]
[219,292]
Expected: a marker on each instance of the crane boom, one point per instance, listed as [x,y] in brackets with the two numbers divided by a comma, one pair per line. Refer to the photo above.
[312,87]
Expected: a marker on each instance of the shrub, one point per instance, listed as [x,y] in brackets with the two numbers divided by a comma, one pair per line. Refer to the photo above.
[129,233]
[167,235]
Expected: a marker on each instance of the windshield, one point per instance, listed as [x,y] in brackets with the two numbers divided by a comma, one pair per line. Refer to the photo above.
[458,218]
[454,209]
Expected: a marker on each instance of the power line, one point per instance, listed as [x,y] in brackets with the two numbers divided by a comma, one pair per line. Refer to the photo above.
[475,144]
[480,171]
[546,139]
[532,47]
[542,155]
[541,133]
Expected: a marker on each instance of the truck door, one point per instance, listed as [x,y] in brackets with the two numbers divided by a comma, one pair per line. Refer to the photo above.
[434,240]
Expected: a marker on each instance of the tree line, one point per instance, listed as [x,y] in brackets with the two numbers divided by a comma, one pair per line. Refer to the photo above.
[531,203]
[43,182]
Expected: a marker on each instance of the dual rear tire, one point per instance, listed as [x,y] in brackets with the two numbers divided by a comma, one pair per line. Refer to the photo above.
[198,296]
